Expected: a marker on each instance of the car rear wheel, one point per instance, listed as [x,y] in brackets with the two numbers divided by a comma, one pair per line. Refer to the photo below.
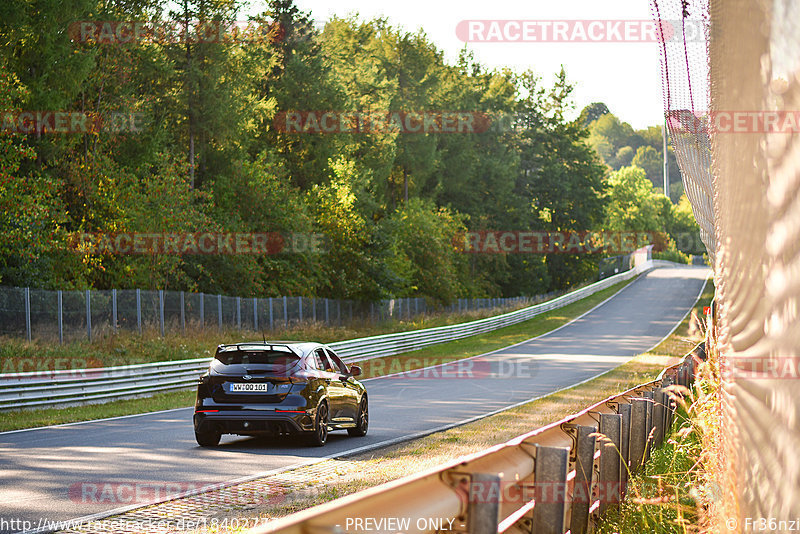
[362,421]
[208,438]
[319,436]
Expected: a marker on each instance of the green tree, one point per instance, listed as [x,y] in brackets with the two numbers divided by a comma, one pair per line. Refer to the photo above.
[650,161]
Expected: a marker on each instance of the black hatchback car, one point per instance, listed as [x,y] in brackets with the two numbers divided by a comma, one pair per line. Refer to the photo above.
[279,388]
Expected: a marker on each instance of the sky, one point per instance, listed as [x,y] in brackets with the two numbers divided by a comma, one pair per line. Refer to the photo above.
[625,76]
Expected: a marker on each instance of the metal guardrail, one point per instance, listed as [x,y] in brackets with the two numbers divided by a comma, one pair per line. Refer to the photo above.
[558,478]
[78,386]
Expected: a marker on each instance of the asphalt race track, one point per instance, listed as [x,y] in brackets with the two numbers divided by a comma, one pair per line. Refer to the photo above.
[44,471]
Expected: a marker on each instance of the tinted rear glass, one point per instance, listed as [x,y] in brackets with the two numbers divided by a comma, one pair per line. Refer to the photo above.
[262,357]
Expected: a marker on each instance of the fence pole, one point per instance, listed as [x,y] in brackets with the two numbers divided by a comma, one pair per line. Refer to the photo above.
[27,294]
[139,311]
[300,307]
[327,315]
[285,313]
[314,309]
[183,313]
[338,311]
[161,310]
[255,314]
[239,313]
[219,311]
[89,314]
[202,311]
[270,314]
[60,318]
[114,309]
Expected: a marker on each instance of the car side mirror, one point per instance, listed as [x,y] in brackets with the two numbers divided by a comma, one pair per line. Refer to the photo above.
[355,370]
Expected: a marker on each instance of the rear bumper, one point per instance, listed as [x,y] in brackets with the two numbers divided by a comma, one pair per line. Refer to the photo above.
[252,422]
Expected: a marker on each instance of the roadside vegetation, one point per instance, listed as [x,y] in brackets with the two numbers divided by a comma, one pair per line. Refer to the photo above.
[675,493]
[471,346]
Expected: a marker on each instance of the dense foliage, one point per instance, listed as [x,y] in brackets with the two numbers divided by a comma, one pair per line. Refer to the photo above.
[210,158]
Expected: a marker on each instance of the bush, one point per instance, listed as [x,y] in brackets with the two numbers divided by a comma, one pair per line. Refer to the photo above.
[671,255]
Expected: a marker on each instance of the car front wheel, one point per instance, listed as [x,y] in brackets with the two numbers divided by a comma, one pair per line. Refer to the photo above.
[362,421]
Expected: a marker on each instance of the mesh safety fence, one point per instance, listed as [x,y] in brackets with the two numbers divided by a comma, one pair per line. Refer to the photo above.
[732,102]
[72,315]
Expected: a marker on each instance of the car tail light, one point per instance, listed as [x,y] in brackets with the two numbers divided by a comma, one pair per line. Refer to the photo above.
[290,411]
[206,411]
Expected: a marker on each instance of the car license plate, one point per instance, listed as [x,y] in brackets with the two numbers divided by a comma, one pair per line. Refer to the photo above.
[249,388]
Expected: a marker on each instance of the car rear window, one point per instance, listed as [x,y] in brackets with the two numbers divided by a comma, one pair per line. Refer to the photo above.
[262,357]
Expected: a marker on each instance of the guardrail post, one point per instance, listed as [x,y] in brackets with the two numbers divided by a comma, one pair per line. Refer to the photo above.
[183,312]
[60,317]
[638,435]
[161,310]
[659,416]
[255,314]
[114,309]
[88,314]
[139,311]
[582,460]
[27,296]
[610,464]
[483,514]
[648,425]
[550,489]
[624,410]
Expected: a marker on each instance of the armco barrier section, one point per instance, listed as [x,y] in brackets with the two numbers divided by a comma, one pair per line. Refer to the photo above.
[74,386]
[558,478]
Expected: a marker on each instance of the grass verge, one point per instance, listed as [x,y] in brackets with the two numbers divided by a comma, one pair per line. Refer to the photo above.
[672,492]
[472,346]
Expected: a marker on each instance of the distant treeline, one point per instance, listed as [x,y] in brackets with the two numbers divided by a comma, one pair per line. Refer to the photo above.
[184,134]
